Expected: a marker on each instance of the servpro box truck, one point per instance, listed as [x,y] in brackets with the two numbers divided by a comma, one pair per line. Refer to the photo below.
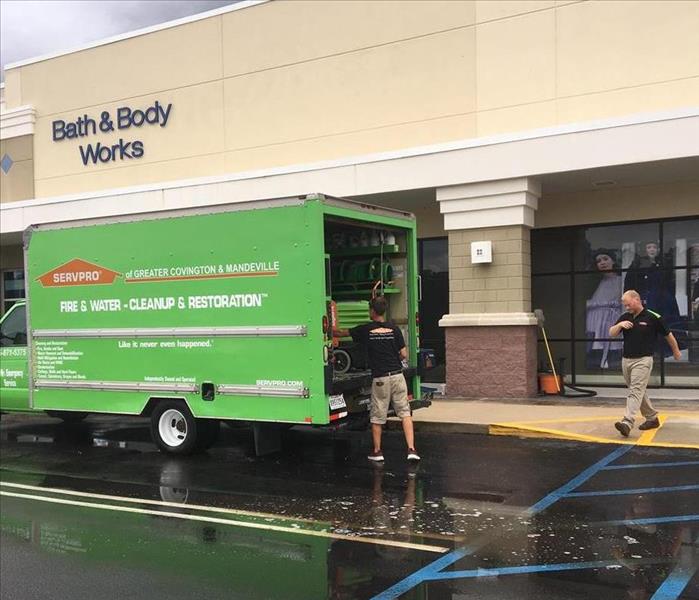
[200,315]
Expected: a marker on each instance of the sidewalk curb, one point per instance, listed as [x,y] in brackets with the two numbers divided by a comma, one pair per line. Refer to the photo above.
[539,430]
[441,427]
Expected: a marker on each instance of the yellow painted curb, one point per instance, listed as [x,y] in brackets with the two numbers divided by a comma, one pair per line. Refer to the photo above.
[533,429]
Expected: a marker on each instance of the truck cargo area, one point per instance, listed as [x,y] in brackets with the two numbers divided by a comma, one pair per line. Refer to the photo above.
[364,260]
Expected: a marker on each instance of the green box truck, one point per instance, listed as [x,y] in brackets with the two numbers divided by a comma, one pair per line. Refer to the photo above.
[199,315]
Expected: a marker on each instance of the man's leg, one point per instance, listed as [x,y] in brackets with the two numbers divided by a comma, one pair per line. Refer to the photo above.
[380,398]
[624,426]
[376,431]
[399,397]
[647,409]
[639,374]
[408,431]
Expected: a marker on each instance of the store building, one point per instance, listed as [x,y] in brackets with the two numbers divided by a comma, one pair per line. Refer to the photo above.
[566,134]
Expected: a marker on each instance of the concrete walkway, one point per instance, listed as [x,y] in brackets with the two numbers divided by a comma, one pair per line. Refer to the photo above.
[582,419]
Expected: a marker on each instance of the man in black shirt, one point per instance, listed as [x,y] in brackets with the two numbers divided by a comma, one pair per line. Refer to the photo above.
[641,328]
[386,351]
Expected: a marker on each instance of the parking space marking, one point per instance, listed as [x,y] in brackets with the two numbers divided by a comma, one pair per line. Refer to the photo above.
[434,569]
[674,585]
[220,521]
[546,568]
[202,507]
[132,500]
[577,481]
[622,492]
[649,521]
[677,581]
[680,463]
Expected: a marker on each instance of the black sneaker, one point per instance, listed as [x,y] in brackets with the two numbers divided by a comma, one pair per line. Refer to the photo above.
[413,456]
[623,428]
[650,424]
[376,456]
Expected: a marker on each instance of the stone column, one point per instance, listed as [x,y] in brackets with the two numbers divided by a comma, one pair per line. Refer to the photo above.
[490,329]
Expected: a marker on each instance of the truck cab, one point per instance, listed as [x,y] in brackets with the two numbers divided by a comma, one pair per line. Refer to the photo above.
[14,366]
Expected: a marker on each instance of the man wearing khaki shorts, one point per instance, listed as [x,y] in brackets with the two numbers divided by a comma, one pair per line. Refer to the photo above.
[641,328]
[386,351]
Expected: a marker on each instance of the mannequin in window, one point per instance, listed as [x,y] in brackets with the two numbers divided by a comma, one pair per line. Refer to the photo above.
[603,309]
[655,285]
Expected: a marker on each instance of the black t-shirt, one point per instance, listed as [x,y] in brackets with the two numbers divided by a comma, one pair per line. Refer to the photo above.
[640,339]
[384,342]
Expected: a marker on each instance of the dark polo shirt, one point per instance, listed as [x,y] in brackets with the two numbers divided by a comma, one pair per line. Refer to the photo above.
[384,342]
[640,340]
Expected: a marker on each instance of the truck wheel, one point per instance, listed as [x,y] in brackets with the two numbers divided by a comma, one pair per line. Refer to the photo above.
[173,428]
[67,416]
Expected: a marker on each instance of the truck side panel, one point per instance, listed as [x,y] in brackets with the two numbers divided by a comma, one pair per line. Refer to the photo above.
[126,311]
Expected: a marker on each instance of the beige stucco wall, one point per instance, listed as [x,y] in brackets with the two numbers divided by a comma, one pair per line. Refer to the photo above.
[611,205]
[502,286]
[296,82]
[18,182]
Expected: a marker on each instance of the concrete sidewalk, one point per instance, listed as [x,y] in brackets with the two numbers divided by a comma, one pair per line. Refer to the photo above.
[582,419]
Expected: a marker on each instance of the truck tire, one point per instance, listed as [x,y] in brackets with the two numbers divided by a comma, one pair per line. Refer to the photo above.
[67,416]
[173,428]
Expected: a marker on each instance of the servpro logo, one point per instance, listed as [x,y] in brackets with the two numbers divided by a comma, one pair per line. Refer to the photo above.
[78,272]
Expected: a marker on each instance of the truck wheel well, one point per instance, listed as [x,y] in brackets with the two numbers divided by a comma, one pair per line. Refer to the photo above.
[153,402]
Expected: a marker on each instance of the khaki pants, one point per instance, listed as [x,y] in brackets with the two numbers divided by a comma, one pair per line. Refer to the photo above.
[385,390]
[636,374]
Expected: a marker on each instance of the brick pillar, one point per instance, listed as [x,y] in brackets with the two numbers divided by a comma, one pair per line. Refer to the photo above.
[490,330]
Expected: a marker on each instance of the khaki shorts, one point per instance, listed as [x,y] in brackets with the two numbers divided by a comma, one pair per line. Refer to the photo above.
[385,390]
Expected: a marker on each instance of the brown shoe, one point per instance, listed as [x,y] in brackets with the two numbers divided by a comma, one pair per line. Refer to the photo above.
[623,428]
[649,424]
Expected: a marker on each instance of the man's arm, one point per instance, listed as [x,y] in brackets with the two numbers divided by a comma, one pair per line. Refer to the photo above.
[341,332]
[672,342]
[403,353]
[615,330]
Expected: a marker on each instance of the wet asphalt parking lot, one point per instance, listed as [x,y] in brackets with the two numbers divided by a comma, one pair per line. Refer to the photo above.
[94,510]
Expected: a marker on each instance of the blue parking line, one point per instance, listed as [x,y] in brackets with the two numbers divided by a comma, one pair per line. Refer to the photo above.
[650,521]
[429,572]
[674,585]
[577,481]
[653,490]
[682,463]
[598,564]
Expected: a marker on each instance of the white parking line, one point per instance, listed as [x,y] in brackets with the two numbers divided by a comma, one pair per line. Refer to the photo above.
[201,518]
[230,511]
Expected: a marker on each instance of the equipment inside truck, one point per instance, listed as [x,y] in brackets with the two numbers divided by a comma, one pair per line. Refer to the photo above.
[362,261]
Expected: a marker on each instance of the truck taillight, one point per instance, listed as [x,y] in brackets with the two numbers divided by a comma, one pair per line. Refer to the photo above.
[417,319]
[326,324]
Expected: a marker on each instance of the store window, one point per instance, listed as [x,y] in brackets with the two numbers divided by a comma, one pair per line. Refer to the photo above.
[579,274]
[12,288]
[434,270]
